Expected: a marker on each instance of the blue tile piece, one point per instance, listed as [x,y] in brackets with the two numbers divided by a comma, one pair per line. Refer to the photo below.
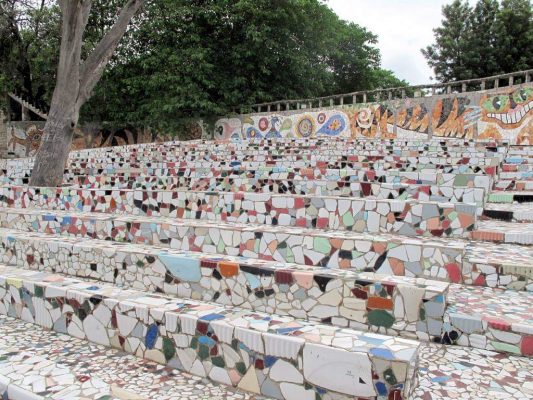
[211,317]
[285,331]
[381,388]
[151,336]
[382,353]
[270,361]
[252,280]
[207,341]
[376,341]
[184,268]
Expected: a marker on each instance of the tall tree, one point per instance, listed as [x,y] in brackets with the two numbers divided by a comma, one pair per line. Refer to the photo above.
[491,38]
[75,83]
[514,35]
[482,39]
[27,44]
[448,57]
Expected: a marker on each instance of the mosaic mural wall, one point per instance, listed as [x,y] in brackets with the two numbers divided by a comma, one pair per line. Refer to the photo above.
[501,114]
[24,138]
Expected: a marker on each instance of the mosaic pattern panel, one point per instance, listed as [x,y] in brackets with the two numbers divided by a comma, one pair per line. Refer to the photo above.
[230,347]
[409,218]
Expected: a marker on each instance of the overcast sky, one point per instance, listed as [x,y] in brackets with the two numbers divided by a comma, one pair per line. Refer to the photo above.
[403,27]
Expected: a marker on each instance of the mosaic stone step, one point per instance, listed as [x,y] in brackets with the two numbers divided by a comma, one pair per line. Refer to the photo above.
[479,177]
[457,181]
[445,372]
[510,197]
[323,157]
[231,346]
[321,188]
[409,218]
[354,162]
[277,147]
[509,212]
[504,232]
[414,308]
[424,146]
[385,254]
[400,306]
[526,167]
[517,176]
[310,160]
[479,263]
[401,191]
[292,160]
[512,185]
[490,319]
[38,364]
[81,168]
[496,265]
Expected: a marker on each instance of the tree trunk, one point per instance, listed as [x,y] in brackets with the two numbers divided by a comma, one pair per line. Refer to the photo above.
[75,82]
[52,156]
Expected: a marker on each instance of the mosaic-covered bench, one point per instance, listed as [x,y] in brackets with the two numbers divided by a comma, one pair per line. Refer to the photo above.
[409,218]
[391,305]
[387,254]
[401,191]
[483,264]
[267,354]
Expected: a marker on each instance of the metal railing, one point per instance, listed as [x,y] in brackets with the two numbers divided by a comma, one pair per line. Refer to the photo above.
[469,85]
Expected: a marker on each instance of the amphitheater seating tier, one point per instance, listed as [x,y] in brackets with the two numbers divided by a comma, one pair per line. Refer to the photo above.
[292,269]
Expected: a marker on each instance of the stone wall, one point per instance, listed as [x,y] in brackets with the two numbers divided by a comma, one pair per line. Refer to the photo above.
[498,114]
[24,138]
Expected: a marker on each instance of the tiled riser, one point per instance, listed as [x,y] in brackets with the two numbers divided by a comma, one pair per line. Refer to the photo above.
[324,158]
[490,319]
[450,180]
[503,276]
[382,254]
[521,176]
[501,197]
[513,185]
[377,161]
[412,218]
[488,334]
[271,355]
[79,168]
[307,186]
[391,255]
[314,187]
[444,194]
[391,305]
[443,147]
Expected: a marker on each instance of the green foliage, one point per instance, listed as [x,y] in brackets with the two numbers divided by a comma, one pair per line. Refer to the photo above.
[29,48]
[487,39]
[198,58]
[214,56]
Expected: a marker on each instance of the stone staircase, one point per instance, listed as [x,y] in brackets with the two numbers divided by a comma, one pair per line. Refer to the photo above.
[289,269]
[27,106]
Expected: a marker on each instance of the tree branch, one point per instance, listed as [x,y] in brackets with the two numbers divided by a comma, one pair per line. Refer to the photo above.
[75,14]
[92,69]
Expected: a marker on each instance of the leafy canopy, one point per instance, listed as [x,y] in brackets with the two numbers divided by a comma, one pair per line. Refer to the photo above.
[197,58]
[486,39]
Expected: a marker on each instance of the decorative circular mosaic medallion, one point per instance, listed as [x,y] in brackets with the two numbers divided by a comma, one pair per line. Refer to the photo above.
[364,118]
[263,124]
[321,118]
[305,127]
